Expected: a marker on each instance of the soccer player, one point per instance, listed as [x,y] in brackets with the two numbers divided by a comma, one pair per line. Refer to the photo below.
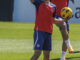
[45,17]
[64,31]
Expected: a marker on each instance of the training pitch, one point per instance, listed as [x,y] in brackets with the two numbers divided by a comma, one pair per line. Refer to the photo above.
[16,41]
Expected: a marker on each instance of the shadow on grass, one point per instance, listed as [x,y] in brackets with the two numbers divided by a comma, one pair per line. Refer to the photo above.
[67,58]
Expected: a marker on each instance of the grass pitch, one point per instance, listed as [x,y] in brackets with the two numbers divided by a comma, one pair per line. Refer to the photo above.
[16,41]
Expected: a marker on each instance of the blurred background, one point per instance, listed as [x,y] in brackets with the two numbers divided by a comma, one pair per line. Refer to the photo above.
[24,11]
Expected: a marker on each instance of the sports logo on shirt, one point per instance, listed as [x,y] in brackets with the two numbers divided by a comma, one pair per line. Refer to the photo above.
[38,45]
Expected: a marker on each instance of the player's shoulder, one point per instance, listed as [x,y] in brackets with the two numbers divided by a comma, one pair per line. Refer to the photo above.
[53,5]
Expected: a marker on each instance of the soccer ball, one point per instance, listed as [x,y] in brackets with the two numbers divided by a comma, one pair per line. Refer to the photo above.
[66,13]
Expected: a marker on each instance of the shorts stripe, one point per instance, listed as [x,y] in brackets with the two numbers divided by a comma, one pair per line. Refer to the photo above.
[36,39]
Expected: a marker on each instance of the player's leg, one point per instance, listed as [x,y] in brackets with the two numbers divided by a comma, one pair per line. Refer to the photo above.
[70,49]
[46,55]
[65,36]
[36,55]
[47,46]
[38,44]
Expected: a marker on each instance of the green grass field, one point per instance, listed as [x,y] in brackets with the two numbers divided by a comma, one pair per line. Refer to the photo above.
[16,41]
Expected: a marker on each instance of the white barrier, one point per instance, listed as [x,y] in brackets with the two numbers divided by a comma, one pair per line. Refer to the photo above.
[24,11]
[75,5]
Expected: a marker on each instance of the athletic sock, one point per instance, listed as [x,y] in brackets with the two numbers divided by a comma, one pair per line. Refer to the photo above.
[63,55]
[67,43]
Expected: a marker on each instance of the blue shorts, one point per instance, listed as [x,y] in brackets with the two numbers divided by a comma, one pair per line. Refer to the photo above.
[67,24]
[42,40]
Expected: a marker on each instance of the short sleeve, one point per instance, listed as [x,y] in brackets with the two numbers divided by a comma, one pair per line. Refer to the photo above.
[54,14]
[37,2]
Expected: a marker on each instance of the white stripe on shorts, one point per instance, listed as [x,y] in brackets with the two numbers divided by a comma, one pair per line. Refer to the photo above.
[36,38]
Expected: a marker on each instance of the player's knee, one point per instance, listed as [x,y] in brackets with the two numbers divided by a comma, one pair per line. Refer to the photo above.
[63,27]
[46,55]
[36,55]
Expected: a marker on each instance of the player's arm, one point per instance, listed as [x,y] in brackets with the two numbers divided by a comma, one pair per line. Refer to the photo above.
[59,20]
[56,19]
[36,2]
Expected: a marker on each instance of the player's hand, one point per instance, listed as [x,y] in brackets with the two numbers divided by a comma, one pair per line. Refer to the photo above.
[56,21]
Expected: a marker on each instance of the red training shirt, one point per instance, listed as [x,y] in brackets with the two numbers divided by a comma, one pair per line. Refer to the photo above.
[59,5]
[44,16]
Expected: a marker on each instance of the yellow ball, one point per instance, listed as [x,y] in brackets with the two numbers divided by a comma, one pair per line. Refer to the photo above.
[66,12]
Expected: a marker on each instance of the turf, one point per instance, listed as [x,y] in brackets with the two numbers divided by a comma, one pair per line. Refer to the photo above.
[16,41]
